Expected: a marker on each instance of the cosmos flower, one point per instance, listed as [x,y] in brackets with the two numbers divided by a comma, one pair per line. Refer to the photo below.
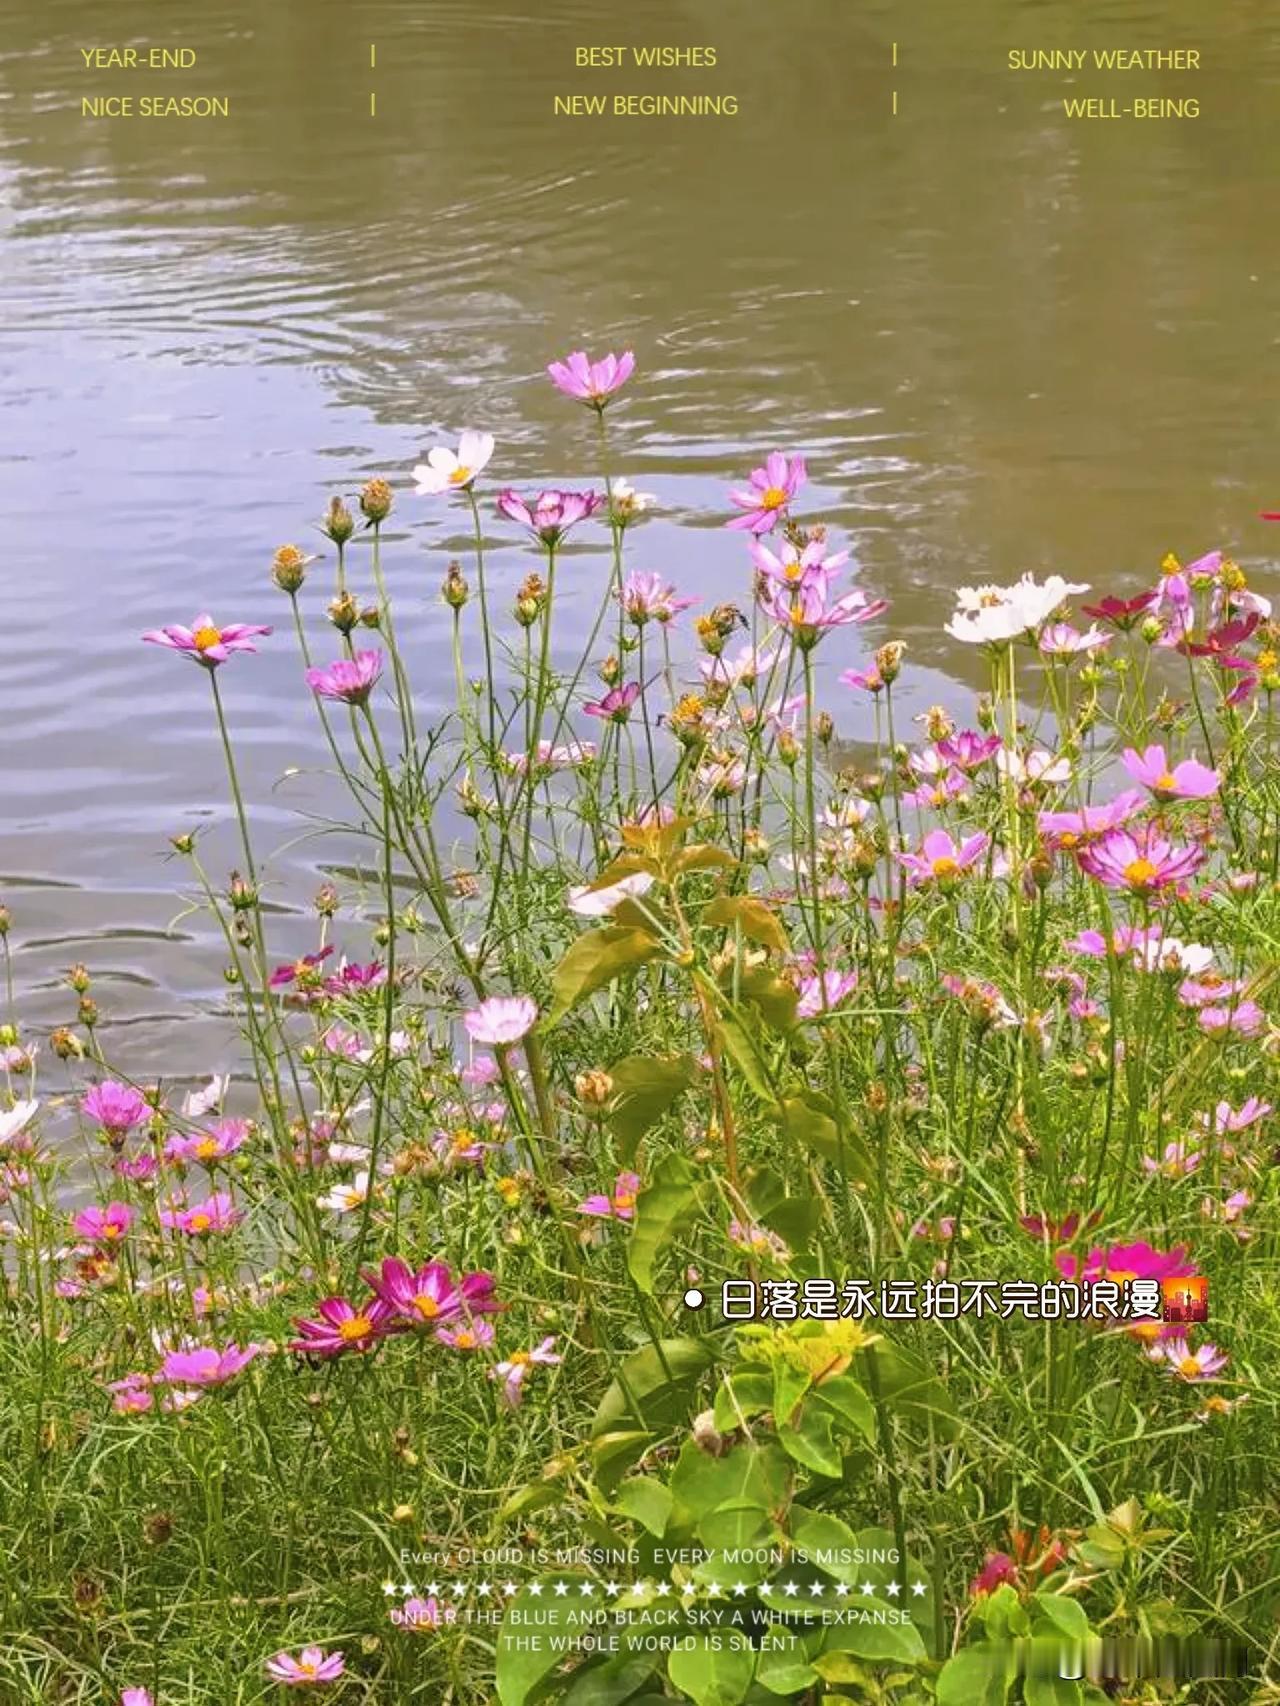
[1245,1019]
[628,504]
[1226,1118]
[341,1327]
[1143,862]
[1189,780]
[1122,1262]
[501,1020]
[1205,1363]
[446,470]
[418,1613]
[107,1225]
[1177,1162]
[997,1568]
[552,515]
[197,1103]
[300,971]
[647,597]
[1036,768]
[430,1296]
[136,1697]
[208,1147]
[1122,613]
[309,1668]
[515,1370]
[804,612]
[940,860]
[1061,640]
[616,705]
[117,1108]
[994,615]
[756,1240]
[16,1119]
[769,492]
[821,995]
[592,382]
[476,1335]
[217,1214]
[351,680]
[206,644]
[967,750]
[791,566]
[345,1198]
[589,902]
[205,1365]
[620,1206]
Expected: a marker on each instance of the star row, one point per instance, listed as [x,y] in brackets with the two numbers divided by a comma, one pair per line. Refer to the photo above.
[586,1589]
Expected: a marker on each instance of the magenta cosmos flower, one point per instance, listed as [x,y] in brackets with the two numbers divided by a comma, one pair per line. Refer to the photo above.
[136,1697]
[648,598]
[341,1327]
[552,515]
[620,1206]
[1122,1262]
[351,680]
[310,1667]
[516,1369]
[206,1365]
[106,1225]
[1180,1360]
[768,493]
[616,705]
[592,382]
[208,1147]
[1189,780]
[431,1296]
[820,995]
[1122,613]
[1143,862]
[301,971]
[449,471]
[217,1214]
[204,642]
[117,1108]
[1075,829]
[940,860]
[502,1020]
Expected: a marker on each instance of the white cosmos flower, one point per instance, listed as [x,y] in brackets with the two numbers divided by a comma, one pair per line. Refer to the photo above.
[446,470]
[599,903]
[1034,766]
[342,1199]
[197,1103]
[629,501]
[1170,954]
[15,1119]
[989,615]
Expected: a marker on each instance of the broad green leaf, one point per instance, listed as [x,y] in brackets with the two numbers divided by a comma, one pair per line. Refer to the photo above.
[979,1675]
[645,1500]
[742,1051]
[789,1386]
[1003,1614]
[1066,1615]
[702,856]
[715,1670]
[758,922]
[784,1669]
[614,1451]
[660,1379]
[645,1086]
[747,1475]
[810,1441]
[740,1540]
[594,960]
[746,1393]
[873,1630]
[667,1205]
[611,1683]
[844,1396]
[809,1121]
[775,999]
[522,1663]
[1051,1690]
[905,1387]
[829,1544]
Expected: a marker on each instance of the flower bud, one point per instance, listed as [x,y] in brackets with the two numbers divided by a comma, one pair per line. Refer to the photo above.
[594,1089]
[5,920]
[824,727]
[611,671]
[938,723]
[755,845]
[986,714]
[66,1044]
[183,842]
[788,750]
[455,591]
[339,523]
[370,616]
[709,636]
[344,612]
[375,501]
[326,901]
[1151,629]
[242,895]
[88,1012]
[289,568]
[889,660]
[78,978]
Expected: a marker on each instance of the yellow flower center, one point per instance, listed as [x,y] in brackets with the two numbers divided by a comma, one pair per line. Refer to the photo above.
[945,867]
[358,1327]
[464,1339]
[519,1358]
[460,475]
[111,1230]
[1140,873]
[426,1306]
[1167,783]
[307,1667]
[199,1221]
[206,1149]
[463,1139]
[793,571]
[1188,1366]
[773,498]
[206,637]
[625,1199]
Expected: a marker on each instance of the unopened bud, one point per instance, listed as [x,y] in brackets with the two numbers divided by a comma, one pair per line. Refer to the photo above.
[594,1089]
[66,1044]
[1151,629]
[339,523]
[344,612]
[78,978]
[289,568]
[184,842]
[326,901]
[889,660]
[824,727]
[376,500]
[242,895]
[611,671]
[88,1012]
[5,920]
[455,591]
[370,616]
[788,750]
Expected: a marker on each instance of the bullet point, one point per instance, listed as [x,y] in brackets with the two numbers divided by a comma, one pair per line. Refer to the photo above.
[693,1298]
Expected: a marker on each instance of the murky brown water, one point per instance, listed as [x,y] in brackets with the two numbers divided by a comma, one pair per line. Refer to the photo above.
[1005,340]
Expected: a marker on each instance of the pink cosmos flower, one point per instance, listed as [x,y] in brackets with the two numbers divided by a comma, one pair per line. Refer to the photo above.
[620,1206]
[475,1336]
[447,471]
[1177,1162]
[351,680]
[311,1666]
[482,1071]
[136,1697]
[205,1365]
[803,611]
[104,1225]
[1246,1019]
[352,977]
[132,1396]
[116,1107]
[616,705]
[1226,1118]
[502,1020]
[769,493]
[1075,829]
[552,515]
[1122,613]
[1142,862]
[208,1147]
[647,597]
[592,382]
[997,1568]
[1210,989]
[821,995]
[756,1240]
[300,971]
[940,860]
[516,1369]
[792,567]
[1202,1364]
[420,1613]
[341,1327]
[1062,640]
[936,796]
[967,750]
[869,680]
[205,643]
[1189,780]
[430,1296]
[218,1214]
[1122,1262]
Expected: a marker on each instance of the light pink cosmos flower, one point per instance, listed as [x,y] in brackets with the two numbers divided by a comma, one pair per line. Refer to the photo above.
[205,643]
[620,1206]
[647,597]
[133,1395]
[821,995]
[1075,829]
[1245,1020]
[515,1370]
[754,1239]
[208,1147]
[15,1120]
[869,680]
[104,1225]
[1226,1118]
[936,795]
[968,750]
[116,1107]
[791,567]
[804,613]
[311,1667]
[341,1327]
[217,1214]
[475,1335]
[351,680]
[616,705]
[1142,862]
[502,1020]
[552,515]
[1061,640]
[592,382]
[1178,1162]
[1202,1364]
[197,1103]
[136,1697]
[420,1613]
[769,493]
[589,902]
[1189,780]
[206,1365]
[940,860]
[447,471]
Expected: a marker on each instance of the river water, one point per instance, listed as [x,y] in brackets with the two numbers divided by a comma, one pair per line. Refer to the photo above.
[1005,339]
